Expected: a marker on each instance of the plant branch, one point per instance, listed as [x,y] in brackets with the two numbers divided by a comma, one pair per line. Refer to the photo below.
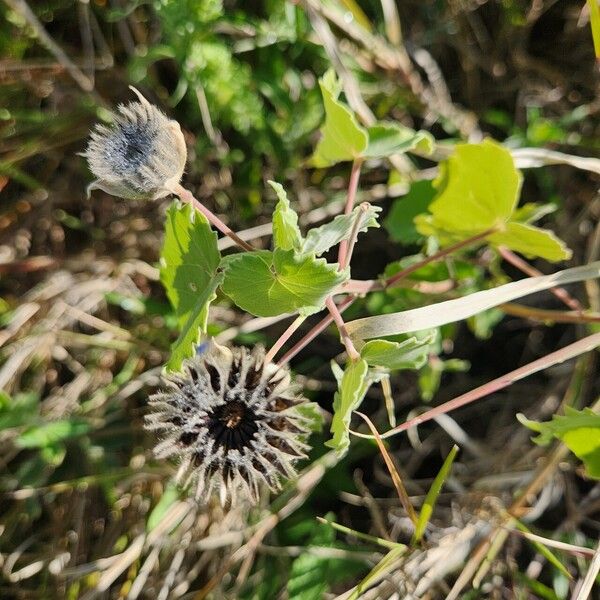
[391,281]
[572,350]
[187,196]
[350,199]
[284,337]
[339,321]
[314,332]
[525,267]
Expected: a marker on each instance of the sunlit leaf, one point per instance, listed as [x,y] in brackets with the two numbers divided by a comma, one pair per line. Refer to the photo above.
[168,498]
[579,430]
[478,188]
[387,138]
[268,283]
[47,434]
[531,241]
[342,138]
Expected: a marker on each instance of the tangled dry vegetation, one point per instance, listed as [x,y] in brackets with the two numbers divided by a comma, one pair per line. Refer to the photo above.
[86,510]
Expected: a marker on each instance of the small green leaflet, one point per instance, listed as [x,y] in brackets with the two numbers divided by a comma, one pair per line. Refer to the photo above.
[320,239]
[387,138]
[478,189]
[188,270]
[409,354]
[268,283]
[286,233]
[352,389]
[344,139]
[579,430]
[531,241]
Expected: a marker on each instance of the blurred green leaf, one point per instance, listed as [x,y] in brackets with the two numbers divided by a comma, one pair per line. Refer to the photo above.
[383,566]
[579,430]
[400,220]
[342,138]
[320,239]
[286,233]
[268,283]
[386,138]
[18,411]
[168,498]
[47,434]
[409,354]
[432,495]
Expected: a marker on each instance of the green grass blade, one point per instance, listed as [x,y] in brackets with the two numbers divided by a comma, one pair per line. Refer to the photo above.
[595,24]
[432,496]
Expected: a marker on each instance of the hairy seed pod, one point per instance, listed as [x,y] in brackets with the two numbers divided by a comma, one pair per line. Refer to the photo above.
[234,422]
[141,155]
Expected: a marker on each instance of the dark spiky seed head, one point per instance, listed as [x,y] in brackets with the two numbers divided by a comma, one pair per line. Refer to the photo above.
[233,421]
[141,155]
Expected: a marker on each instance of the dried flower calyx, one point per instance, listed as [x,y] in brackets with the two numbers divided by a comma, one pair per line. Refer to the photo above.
[234,422]
[140,156]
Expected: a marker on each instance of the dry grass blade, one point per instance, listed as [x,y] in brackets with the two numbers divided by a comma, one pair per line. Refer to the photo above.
[393,470]
[590,578]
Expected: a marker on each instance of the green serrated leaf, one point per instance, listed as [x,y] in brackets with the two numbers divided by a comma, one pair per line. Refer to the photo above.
[386,139]
[189,258]
[188,269]
[478,187]
[286,233]
[400,220]
[432,495]
[320,239]
[268,283]
[352,390]
[342,138]
[531,241]
[579,430]
[195,326]
[409,354]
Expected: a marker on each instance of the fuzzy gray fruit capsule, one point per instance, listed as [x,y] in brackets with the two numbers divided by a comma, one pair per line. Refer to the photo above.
[232,421]
[141,156]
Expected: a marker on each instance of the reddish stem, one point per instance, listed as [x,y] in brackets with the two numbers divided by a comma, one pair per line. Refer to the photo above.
[339,321]
[187,196]
[314,332]
[283,338]
[351,198]
[572,350]
[525,267]
[444,252]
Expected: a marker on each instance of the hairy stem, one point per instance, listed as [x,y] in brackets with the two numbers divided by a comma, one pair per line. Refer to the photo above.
[187,196]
